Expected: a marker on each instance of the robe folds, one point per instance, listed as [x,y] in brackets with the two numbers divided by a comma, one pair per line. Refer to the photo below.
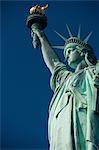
[73,122]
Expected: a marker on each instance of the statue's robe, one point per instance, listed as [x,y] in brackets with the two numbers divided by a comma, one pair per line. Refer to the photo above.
[74,110]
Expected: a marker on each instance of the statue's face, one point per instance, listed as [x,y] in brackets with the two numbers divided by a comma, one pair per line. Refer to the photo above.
[72,53]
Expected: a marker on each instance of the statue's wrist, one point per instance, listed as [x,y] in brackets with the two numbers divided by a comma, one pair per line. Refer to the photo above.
[42,36]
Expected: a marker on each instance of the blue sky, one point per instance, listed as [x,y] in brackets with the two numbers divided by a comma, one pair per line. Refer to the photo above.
[26,90]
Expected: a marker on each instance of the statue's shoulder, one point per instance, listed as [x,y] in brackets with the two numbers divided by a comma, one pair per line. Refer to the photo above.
[93,70]
[89,68]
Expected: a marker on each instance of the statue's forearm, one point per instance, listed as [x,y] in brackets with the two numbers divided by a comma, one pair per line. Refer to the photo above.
[50,57]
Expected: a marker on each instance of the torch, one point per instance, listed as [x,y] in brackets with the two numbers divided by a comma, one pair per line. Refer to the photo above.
[38,20]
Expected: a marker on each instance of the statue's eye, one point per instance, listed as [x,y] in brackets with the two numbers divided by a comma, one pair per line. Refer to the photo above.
[69,51]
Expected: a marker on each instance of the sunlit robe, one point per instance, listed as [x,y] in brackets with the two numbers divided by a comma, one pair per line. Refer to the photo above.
[74,110]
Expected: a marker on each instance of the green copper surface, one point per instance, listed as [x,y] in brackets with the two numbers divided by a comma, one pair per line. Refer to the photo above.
[73,122]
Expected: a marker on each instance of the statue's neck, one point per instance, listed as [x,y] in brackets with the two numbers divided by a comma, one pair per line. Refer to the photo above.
[81,65]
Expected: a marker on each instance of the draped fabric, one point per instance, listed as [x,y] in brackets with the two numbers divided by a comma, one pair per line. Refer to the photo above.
[73,112]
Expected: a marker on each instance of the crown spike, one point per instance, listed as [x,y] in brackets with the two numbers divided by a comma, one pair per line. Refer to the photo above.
[60,36]
[69,31]
[79,30]
[87,38]
[58,47]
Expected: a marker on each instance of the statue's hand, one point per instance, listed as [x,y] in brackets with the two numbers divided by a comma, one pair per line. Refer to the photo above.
[37,35]
[36,31]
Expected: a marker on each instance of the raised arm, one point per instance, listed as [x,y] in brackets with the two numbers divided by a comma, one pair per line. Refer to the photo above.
[50,57]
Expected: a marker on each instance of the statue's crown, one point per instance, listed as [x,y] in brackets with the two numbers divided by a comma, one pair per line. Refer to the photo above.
[76,40]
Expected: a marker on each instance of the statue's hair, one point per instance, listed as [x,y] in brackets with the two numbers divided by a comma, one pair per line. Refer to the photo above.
[91,57]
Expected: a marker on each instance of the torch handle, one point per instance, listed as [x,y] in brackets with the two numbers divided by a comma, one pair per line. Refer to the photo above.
[36,41]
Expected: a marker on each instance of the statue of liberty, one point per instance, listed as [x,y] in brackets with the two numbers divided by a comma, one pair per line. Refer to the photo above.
[73,122]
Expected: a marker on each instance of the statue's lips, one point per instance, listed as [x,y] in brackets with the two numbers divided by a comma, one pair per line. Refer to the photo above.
[68,59]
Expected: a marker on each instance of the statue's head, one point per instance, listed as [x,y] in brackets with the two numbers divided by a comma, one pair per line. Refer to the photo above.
[76,50]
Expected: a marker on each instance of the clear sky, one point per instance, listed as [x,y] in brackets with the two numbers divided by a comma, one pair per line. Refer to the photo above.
[26,90]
